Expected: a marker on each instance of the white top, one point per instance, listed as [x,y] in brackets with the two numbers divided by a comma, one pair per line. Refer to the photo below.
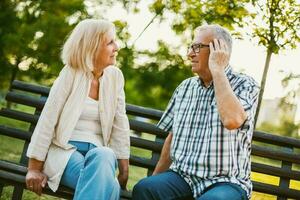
[65,103]
[88,127]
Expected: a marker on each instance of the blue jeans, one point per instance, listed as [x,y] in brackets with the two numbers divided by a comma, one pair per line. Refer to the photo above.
[171,186]
[91,172]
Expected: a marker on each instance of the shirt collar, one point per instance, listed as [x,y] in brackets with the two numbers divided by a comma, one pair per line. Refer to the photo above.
[228,72]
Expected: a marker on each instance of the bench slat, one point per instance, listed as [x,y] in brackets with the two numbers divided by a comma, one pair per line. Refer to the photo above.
[13,167]
[147,128]
[37,89]
[142,162]
[267,152]
[279,140]
[275,171]
[18,115]
[25,100]
[32,118]
[275,190]
[145,144]
[16,133]
[148,113]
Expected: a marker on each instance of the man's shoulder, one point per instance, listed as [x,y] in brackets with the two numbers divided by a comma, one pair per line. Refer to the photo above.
[242,79]
[187,82]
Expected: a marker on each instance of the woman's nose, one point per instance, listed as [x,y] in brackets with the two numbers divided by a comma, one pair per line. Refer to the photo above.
[116,47]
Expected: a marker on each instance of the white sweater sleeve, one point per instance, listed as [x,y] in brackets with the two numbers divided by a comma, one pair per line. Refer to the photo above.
[45,128]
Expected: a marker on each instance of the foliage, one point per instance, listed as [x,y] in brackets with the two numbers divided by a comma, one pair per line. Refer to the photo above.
[281,24]
[279,30]
[193,13]
[152,76]
[287,127]
[35,34]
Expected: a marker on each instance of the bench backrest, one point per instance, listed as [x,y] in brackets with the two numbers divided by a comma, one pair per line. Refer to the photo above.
[275,158]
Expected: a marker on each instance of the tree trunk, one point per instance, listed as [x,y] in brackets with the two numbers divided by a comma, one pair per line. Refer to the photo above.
[14,73]
[262,84]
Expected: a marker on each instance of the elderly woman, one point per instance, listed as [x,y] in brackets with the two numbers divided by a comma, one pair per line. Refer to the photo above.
[83,131]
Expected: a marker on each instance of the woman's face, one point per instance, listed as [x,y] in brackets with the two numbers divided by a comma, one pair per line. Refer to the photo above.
[107,51]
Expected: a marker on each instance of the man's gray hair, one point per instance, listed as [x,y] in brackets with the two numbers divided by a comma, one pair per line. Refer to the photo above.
[219,32]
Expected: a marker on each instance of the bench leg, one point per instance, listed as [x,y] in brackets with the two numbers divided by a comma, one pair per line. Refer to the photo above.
[1,189]
[18,193]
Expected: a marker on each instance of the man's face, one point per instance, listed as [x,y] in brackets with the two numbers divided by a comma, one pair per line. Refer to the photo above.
[199,54]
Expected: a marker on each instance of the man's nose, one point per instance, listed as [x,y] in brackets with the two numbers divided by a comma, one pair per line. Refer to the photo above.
[190,53]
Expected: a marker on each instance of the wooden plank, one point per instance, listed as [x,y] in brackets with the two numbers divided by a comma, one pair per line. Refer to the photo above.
[13,167]
[146,128]
[146,144]
[15,133]
[274,171]
[276,154]
[275,190]
[18,115]
[28,87]
[279,140]
[142,162]
[148,113]
[25,100]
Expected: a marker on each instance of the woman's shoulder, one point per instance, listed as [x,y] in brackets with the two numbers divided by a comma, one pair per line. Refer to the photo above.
[113,71]
[67,70]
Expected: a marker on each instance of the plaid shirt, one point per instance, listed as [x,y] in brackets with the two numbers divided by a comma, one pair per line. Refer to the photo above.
[203,151]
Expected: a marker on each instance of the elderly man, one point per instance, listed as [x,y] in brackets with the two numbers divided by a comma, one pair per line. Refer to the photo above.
[210,121]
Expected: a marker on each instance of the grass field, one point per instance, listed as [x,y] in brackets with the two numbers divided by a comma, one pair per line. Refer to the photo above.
[10,149]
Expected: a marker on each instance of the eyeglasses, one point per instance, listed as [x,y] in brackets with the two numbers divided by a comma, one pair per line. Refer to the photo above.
[196,47]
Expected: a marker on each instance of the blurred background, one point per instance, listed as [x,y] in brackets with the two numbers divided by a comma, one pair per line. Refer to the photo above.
[153,36]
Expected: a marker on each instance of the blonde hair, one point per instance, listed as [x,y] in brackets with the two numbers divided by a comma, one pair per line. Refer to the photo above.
[80,48]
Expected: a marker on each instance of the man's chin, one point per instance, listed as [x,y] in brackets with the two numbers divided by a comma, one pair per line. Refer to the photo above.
[194,69]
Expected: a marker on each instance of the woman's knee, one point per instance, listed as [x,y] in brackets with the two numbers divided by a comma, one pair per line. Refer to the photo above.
[101,155]
[72,170]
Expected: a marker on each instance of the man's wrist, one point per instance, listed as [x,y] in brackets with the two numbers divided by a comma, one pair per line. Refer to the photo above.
[217,73]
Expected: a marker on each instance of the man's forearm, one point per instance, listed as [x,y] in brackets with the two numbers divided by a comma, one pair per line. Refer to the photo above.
[231,111]
[165,159]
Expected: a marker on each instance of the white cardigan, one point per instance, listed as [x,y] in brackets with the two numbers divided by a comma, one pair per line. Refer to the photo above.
[62,110]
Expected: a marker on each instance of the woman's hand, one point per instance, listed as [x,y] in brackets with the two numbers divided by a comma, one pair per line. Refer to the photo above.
[35,181]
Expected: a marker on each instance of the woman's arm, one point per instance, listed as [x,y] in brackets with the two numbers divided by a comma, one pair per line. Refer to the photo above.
[44,130]
[123,165]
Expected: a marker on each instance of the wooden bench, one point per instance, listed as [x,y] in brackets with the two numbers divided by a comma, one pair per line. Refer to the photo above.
[274,156]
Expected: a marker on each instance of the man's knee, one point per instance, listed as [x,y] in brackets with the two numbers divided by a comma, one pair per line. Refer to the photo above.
[143,189]
[223,192]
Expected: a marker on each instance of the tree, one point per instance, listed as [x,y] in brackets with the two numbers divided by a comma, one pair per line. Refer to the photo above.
[150,82]
[279,31]
[8,25]
[36,33]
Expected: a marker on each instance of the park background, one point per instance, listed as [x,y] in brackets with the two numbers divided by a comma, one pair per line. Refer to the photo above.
[153,37]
